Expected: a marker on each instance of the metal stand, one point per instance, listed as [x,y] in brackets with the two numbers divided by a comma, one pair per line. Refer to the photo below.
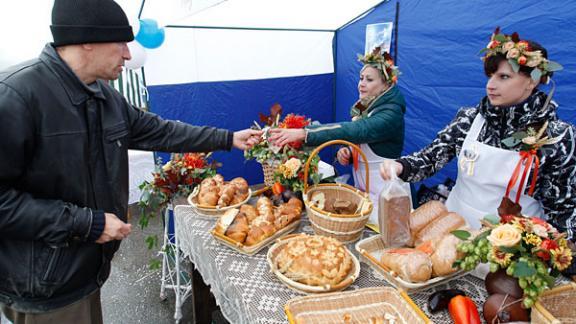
[172,275]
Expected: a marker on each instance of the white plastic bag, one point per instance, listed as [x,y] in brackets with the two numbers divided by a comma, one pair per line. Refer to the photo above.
[394,207]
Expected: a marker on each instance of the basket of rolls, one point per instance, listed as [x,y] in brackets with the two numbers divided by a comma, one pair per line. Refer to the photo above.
[427,258]
[313,263]
[250,228]
[214,195]
[337,210]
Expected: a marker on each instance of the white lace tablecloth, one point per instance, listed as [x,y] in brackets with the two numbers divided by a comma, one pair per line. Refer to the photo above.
[248,292]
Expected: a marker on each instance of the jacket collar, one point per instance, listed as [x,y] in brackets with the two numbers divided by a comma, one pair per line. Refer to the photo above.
[363,107]
[77,91]
[528,112]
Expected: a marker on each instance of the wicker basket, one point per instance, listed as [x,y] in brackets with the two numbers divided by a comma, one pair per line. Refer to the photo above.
[357,306]
[344,227]
[556,306]
[303,288]
[268,167]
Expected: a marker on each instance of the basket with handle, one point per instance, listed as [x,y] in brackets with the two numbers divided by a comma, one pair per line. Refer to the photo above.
[268,168]
[554,306]
[344,227]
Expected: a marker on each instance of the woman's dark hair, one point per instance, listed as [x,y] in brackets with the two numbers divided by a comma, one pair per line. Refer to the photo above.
[491,63]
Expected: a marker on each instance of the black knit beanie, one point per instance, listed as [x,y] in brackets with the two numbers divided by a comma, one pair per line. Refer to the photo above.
[89,21]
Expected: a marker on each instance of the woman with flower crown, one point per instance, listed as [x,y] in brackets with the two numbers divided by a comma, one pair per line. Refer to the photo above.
[511,144]
[377,123]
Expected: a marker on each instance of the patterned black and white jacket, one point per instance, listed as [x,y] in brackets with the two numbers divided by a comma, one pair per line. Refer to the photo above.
[556,182]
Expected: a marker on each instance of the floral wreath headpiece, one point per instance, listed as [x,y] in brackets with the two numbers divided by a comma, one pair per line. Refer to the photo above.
[519,53]
[383,62]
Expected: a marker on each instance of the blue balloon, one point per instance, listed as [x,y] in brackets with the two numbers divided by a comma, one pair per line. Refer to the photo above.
[150,36]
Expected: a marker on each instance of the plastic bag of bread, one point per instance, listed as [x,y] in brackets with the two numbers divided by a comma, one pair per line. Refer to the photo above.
[394,206]
[410,264]
[439,227]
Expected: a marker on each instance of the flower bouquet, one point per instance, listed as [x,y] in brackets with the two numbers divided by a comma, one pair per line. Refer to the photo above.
[272,157]
[528,249]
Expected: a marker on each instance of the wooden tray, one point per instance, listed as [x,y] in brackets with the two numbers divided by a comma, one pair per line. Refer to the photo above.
[215,211]
[356,306]
[307,289]
[370,250]
[253,249]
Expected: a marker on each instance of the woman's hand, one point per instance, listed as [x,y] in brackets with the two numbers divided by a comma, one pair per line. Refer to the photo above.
[283,136]
[343,156]
[390,166]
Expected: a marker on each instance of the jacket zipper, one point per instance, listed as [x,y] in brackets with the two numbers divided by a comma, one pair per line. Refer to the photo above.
[54,260]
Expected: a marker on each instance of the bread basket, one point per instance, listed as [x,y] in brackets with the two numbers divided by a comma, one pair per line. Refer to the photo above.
[353,274]
[216,211]
[346,228]
[556,306]
[356,306]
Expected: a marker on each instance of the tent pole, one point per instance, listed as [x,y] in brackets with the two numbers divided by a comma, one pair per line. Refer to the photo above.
[396,32]
[252,28]
[141,9]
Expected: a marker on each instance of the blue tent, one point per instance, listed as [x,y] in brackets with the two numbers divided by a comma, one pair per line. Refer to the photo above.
[438,45]
[438,48]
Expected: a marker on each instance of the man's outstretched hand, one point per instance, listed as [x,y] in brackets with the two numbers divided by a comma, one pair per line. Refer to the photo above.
[246,138]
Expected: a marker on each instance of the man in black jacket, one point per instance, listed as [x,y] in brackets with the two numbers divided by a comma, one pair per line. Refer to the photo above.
[64,164]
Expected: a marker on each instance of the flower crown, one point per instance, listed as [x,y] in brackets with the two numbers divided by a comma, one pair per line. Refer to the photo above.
[519,53]
[383,62]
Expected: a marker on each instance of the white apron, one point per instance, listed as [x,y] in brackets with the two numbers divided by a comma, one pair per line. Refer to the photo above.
[483,175]
[376,181]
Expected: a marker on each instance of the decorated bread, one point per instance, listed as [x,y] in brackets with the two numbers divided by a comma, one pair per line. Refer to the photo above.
[314,260]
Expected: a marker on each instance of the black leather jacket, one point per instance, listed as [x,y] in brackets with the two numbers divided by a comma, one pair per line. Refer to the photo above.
[63,155]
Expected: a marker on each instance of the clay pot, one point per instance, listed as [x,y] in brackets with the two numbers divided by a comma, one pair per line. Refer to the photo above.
[500,283]
[495,310]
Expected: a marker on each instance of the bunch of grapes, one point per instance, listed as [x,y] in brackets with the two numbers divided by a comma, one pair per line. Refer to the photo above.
[533,285]
[476,252]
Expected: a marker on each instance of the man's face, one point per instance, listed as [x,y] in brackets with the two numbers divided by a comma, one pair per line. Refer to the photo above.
[107,59]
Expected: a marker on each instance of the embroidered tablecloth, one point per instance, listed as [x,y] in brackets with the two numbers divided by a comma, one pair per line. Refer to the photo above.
[248,292]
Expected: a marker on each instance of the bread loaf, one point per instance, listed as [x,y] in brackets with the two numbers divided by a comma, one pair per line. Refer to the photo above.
[410,264]
[227,193]
[440,227]
[444,255]
[425,214]
[238,230]
[250,211]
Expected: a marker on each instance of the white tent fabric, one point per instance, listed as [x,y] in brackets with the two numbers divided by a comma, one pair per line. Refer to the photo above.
[201,55]
[293,14]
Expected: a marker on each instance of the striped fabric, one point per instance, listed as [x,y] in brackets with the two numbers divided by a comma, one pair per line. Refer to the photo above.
[131,85]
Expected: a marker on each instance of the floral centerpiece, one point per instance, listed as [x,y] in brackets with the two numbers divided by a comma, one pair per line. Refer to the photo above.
[279,163]
[178,177]
[528,249]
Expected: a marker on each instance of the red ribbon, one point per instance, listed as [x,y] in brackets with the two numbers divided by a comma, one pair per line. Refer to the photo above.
[355,158]
[526,158]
